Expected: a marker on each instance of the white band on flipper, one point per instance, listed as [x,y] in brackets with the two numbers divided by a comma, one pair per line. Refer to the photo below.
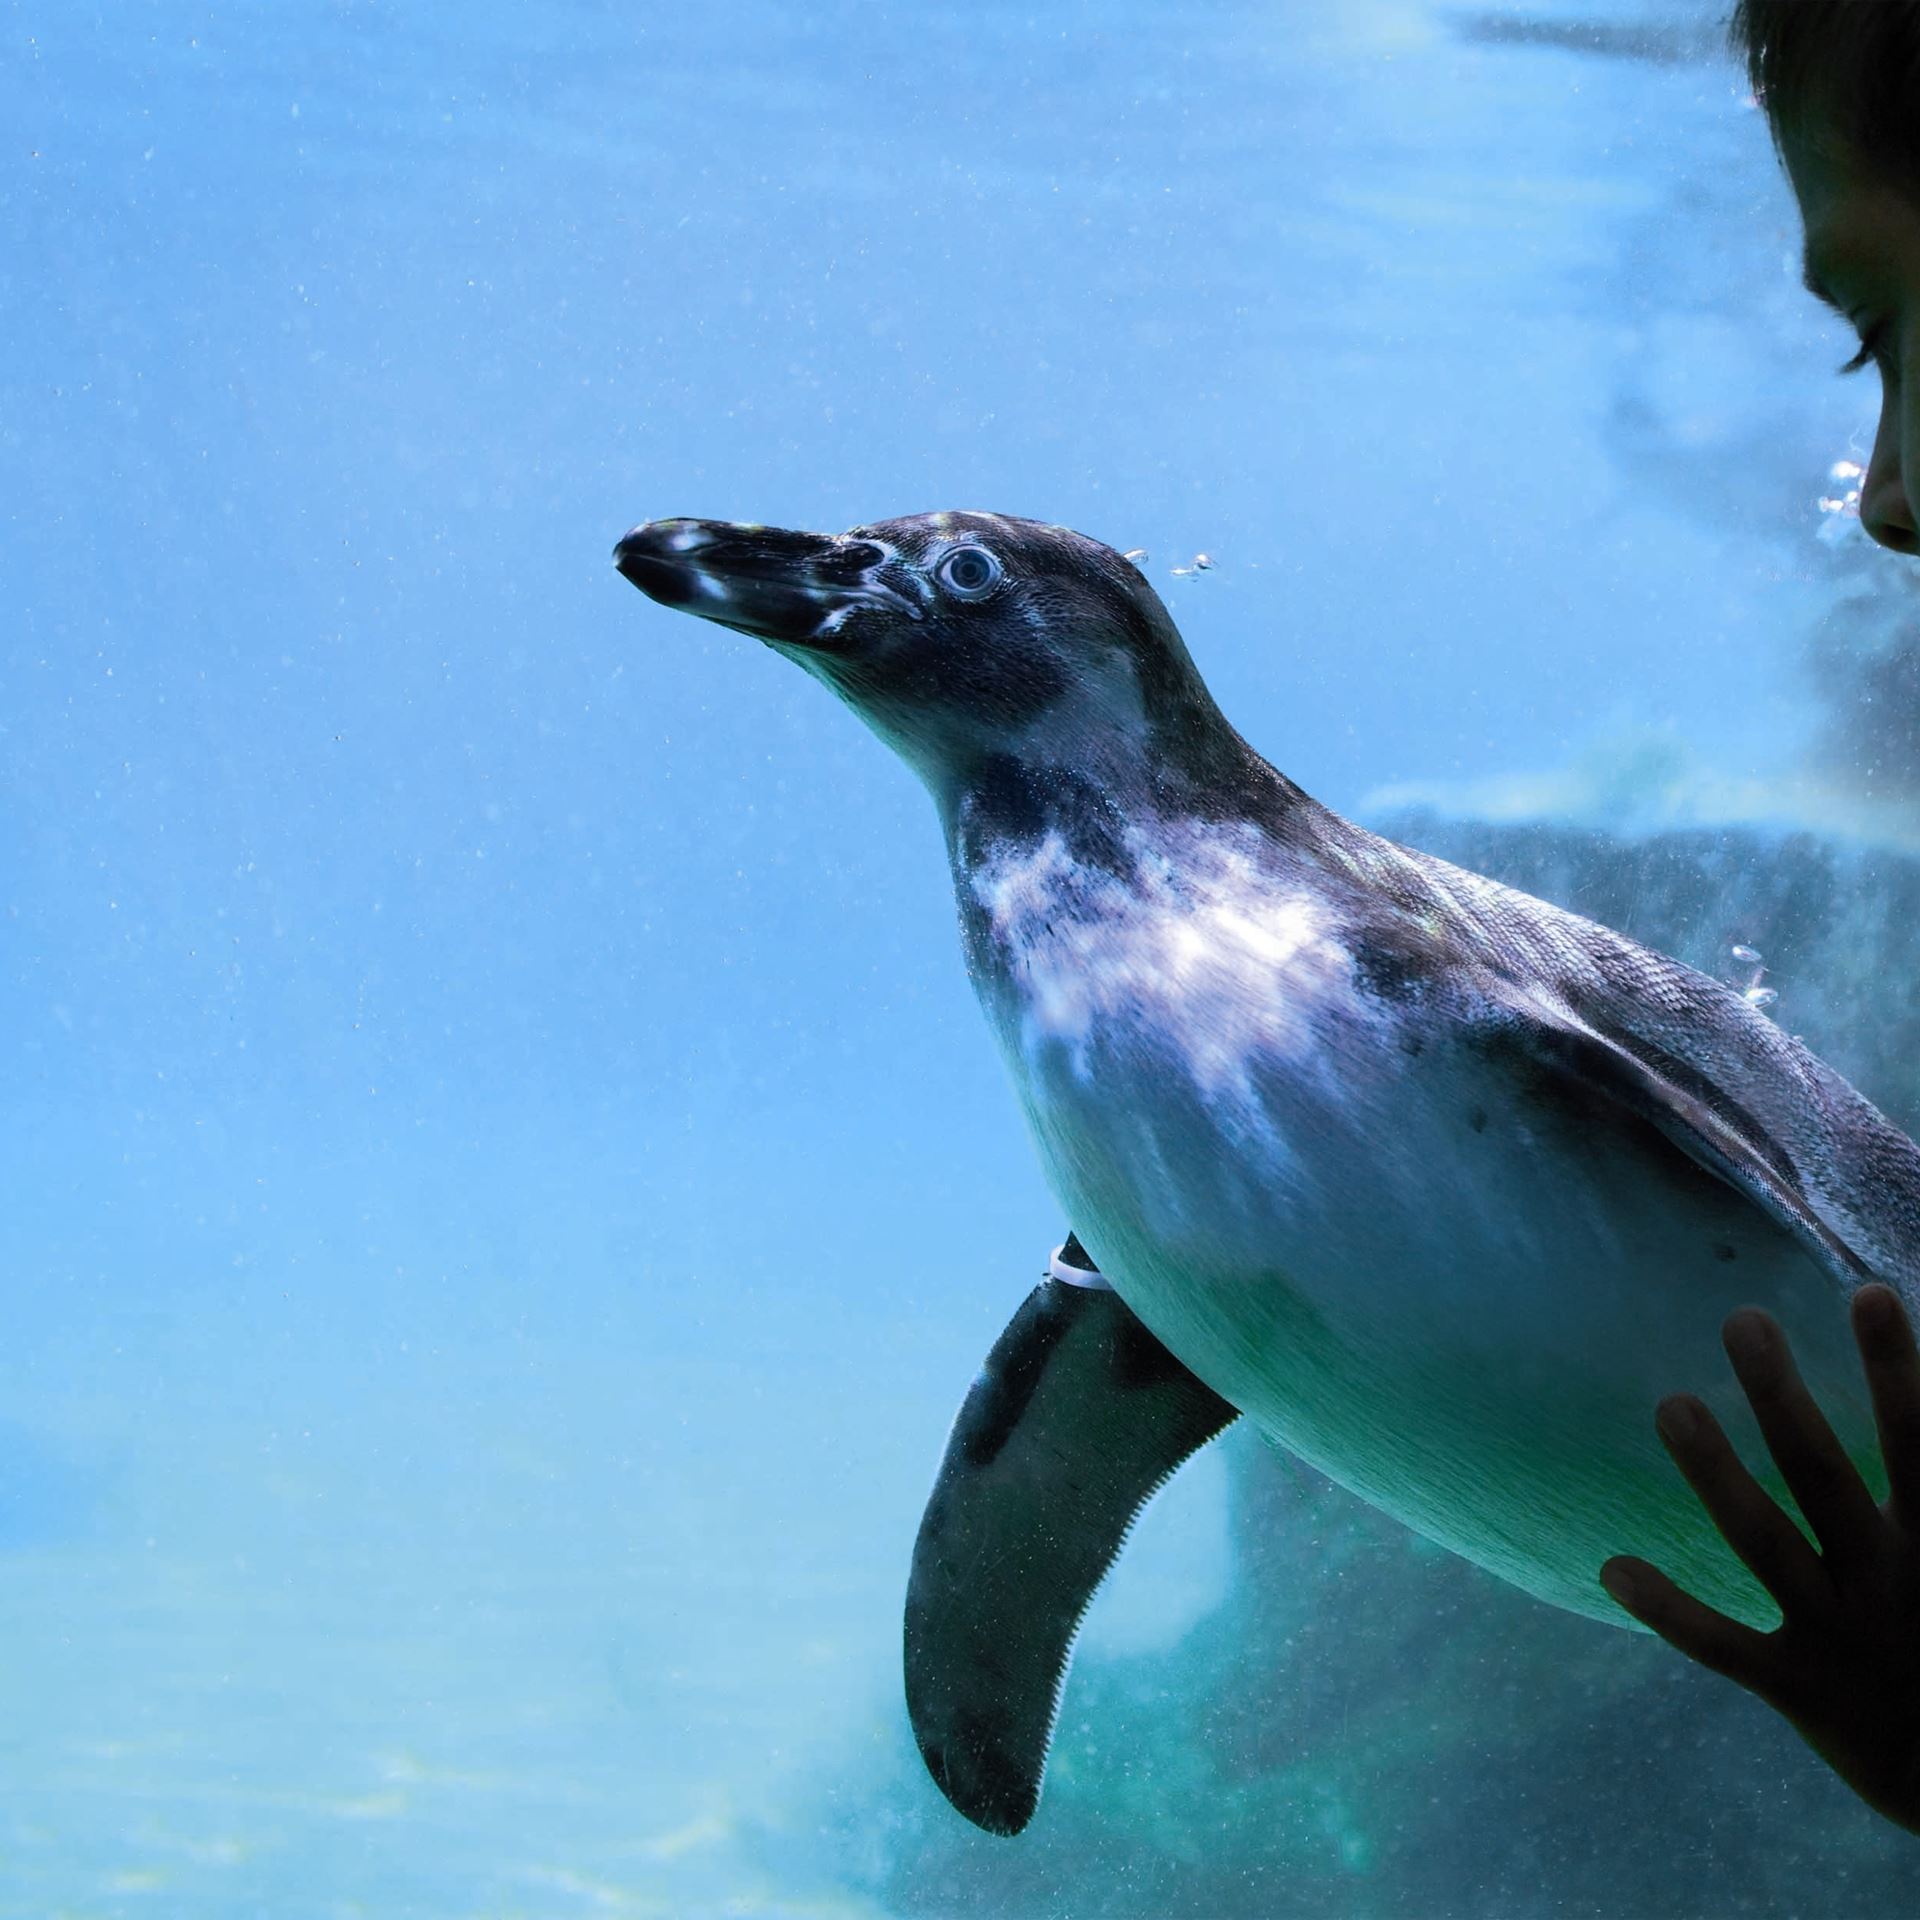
[1057,1269]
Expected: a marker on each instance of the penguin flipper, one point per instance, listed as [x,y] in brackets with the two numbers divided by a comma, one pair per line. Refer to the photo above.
[1706,1123]
[1078,1417]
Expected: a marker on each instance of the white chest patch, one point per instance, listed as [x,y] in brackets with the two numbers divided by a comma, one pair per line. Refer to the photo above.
[1198,954]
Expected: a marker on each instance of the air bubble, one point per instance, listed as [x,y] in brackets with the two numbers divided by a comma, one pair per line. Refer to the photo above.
[1754,992]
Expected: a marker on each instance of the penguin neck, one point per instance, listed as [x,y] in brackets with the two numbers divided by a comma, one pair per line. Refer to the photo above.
[1055,864]
[1104,791]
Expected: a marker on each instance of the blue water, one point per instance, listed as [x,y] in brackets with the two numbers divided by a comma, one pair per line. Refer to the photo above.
[504,1182]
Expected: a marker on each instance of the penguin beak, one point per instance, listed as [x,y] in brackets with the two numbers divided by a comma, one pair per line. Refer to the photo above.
[795,589]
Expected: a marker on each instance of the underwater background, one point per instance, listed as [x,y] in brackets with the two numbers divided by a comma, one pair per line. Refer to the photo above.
[504,1182]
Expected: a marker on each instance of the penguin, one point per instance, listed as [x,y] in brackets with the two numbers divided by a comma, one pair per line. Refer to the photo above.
[1441,1186]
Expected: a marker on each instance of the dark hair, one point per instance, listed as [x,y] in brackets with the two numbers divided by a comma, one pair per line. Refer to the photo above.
[1840,72]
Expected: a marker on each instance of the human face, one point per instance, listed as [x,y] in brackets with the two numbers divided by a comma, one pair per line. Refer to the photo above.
[1863,260]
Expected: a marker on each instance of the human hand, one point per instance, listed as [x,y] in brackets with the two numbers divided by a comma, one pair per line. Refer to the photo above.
[1844,1664]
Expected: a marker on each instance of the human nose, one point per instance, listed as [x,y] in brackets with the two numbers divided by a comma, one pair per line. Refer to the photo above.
[1886,505]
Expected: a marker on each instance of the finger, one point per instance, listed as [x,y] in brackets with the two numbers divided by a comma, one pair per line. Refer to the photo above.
[1888,1352]
[1836,1502]
[1752,1521]
[1689,1625]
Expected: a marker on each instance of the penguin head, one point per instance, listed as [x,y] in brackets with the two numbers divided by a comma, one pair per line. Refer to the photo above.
[960,638]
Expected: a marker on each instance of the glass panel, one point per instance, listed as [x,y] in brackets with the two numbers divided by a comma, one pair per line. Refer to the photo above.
[506,1183]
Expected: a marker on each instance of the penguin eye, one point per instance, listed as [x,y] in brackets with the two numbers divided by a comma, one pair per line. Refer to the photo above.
[968,572]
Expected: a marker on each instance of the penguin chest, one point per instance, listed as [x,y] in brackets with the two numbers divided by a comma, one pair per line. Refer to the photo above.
[1458,1291]
[1201,1069]
[1237,1126]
